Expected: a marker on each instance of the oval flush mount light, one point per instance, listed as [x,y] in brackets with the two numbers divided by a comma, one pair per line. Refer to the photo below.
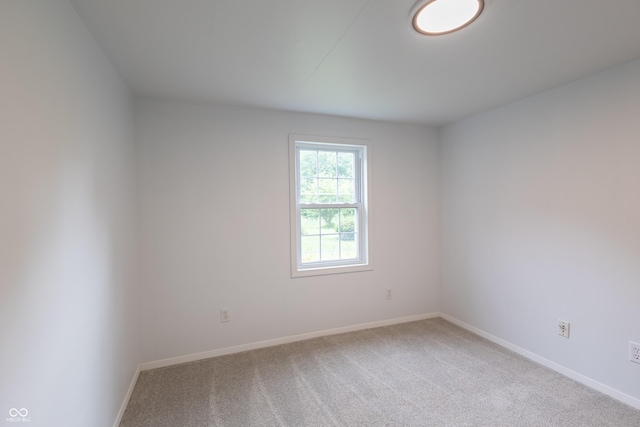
[436,17]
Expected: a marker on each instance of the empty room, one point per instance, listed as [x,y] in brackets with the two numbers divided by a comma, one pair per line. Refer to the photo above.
[332,213]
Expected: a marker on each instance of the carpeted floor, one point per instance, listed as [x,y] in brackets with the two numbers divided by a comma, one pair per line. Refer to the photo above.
[426,373]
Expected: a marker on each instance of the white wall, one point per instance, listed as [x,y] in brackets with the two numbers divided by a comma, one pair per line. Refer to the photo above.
[69,341]
[541,221]
[214,192]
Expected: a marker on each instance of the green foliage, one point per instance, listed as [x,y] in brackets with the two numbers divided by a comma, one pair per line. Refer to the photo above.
[347,226]
[328,216]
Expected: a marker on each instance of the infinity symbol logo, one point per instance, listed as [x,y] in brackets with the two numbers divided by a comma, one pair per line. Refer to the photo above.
[13,412]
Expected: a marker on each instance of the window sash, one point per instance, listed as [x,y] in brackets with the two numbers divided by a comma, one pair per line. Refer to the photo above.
[357,167]
[357,236]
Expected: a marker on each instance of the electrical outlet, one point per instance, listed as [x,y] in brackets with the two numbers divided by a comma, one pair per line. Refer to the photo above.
[634,352]
[563,328]
[389,293]
[225,315]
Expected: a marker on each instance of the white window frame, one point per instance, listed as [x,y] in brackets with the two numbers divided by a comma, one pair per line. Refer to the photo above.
[363,205]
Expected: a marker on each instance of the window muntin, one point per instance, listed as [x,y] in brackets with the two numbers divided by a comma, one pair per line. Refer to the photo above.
[330,219]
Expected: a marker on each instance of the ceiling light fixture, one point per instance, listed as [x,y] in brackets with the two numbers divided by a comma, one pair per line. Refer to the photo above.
[436,17]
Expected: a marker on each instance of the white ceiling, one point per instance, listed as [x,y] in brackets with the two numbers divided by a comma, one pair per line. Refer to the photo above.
[358,58]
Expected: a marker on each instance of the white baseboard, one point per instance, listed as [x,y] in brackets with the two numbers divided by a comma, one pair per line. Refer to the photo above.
[125,402]
[616,394]
[277,341]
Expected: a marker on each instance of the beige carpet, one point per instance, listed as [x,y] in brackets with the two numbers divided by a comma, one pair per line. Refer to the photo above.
[426,373]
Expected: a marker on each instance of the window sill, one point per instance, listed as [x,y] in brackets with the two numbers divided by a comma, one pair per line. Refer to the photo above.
[337,269]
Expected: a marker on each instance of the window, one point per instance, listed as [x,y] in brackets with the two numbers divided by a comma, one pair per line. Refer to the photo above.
[330,205]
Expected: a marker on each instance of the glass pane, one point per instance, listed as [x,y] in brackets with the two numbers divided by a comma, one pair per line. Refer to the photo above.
[308,163]
[310,250]
[309,221]
[346,190]
[347,220]
[327,190]
[329,221]
[308,189]
[345,165]
[327,161]
[307,198]
[330,247]
[348,246]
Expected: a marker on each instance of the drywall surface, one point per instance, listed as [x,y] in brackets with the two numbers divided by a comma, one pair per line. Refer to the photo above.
[540,221]
[68,302]
[214,209]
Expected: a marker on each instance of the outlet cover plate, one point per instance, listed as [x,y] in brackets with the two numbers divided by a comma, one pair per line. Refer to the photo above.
[634,352]
[563,328]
